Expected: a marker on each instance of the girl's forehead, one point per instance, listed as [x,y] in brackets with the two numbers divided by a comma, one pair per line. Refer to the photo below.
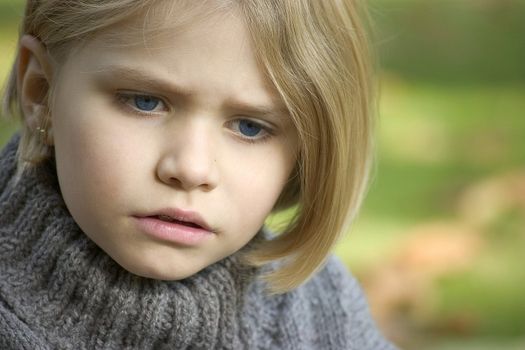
[164,19]
[212,50]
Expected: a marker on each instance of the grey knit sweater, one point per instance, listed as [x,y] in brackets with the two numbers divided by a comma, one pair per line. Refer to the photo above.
[58,290]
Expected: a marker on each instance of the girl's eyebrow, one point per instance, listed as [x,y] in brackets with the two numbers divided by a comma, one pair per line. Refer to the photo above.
[114,73]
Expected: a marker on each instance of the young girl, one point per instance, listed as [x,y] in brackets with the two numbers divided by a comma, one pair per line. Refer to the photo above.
[157,136]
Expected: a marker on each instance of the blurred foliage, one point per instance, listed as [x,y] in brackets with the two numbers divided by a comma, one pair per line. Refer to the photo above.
[451,136]
[451,158]
[453,41]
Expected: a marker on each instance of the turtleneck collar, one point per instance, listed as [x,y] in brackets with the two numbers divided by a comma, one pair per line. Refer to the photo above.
[71,294]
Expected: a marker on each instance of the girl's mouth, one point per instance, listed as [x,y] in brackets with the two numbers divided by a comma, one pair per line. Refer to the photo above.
[179,226]
[168,218]
[184,217]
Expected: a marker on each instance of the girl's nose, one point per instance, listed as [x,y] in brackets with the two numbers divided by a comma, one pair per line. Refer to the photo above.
[189,162]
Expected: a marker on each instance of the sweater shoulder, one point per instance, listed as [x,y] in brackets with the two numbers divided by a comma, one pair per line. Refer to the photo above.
[334,280]
[339,290]
[8,161]
[341,308]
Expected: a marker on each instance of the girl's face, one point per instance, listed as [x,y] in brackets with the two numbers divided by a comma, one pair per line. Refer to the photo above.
[171,150]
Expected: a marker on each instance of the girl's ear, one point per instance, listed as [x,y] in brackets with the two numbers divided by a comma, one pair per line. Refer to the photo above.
[35,72]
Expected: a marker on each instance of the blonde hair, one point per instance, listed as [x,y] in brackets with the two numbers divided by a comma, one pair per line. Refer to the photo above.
[317,56]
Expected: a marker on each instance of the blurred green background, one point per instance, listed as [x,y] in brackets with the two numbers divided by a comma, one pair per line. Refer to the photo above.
[439,244]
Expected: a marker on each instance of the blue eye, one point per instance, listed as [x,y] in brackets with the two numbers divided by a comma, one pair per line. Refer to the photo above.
[252,131]
[249,128]
[146,103]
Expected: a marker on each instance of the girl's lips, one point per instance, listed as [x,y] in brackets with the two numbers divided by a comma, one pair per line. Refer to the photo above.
[191,217]
[185,227]
[175,232]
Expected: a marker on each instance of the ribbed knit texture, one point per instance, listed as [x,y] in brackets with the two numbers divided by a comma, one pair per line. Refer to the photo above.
[58,290]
